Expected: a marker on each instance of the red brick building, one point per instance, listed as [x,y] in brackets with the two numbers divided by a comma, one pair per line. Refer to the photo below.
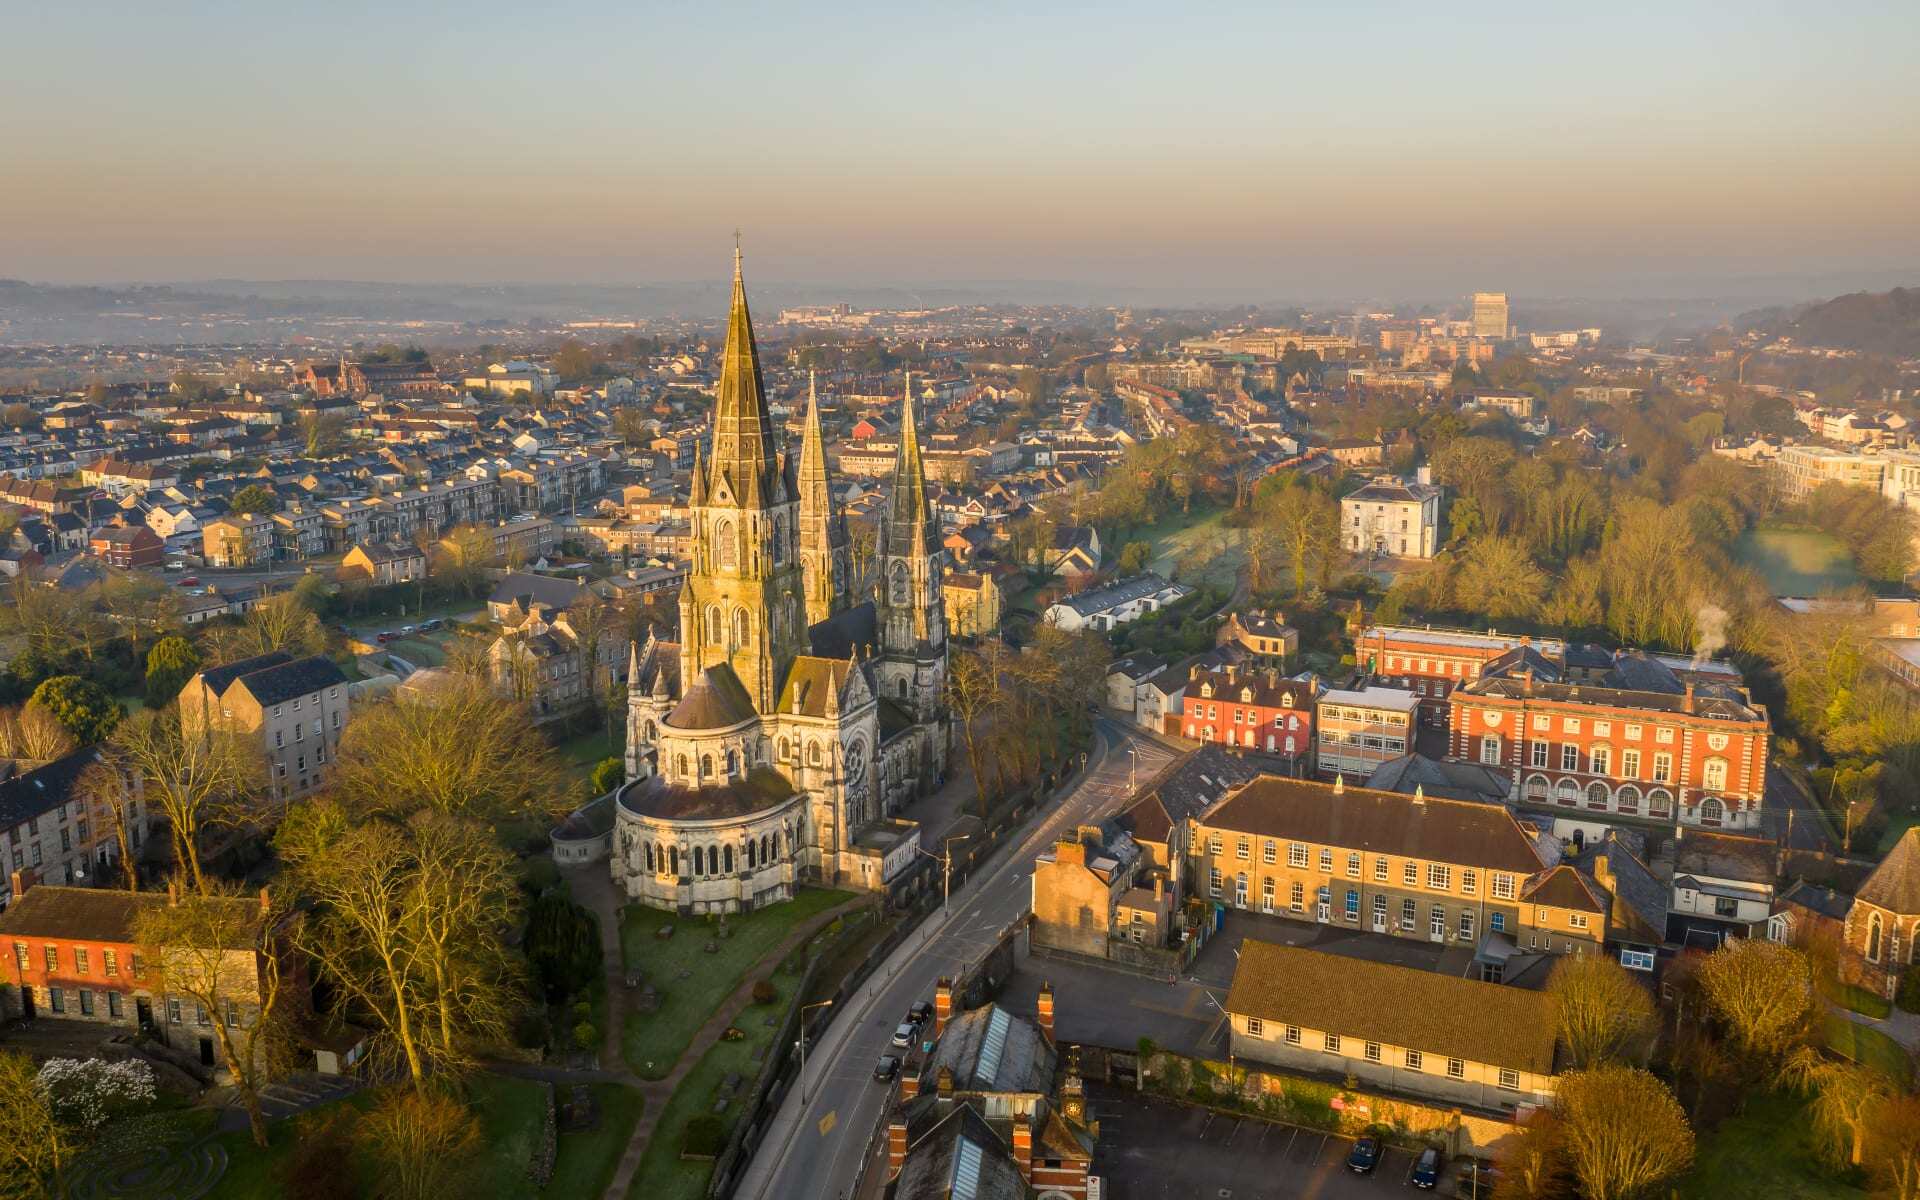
[1431,663]
[128,546]
[69,954]
[1250,709]
[1661,751]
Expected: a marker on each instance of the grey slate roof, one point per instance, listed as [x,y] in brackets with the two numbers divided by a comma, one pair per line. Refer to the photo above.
[1724,856]
[958,1157]
[989,1049]
[1895,883]
[1101,599]
[41,789]
[1433,777]
[285,681]
[541,589]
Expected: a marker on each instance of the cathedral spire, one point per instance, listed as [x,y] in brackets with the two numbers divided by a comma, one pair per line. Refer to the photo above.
[699,491]
[908,510]
[742,431]
[822,534]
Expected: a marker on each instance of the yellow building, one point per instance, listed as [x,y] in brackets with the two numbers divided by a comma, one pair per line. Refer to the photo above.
[1459,1041]
[973,604]
[1404,866]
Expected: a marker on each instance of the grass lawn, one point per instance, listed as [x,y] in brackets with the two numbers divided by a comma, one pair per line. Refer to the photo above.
[663,1175]
[420,651]
[1765,1151]
[1857,999]
[1199,540]
[1850,1039]
[653,1041]
[511,1114]
[1797,562]
[586,1161]
[588,749]
[1896,829]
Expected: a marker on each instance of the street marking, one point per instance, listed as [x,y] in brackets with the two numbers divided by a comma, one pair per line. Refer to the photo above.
[828,1122]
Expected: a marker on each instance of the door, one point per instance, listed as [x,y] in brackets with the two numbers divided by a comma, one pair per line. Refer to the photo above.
[143,1012]
[1437,926]
[1379,913]
[26,1003]
[1324,907]
[206,1051]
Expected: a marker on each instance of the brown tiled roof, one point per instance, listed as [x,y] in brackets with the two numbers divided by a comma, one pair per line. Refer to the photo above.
[1427,828]
[716,700]
[84,914]
[1895,883]
[1400,1006]
[1563,887]
[761,789]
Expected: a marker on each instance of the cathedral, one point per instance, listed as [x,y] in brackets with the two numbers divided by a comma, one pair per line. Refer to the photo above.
[773,744]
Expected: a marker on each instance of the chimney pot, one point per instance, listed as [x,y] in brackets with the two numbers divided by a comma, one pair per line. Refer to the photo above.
[1045,1009]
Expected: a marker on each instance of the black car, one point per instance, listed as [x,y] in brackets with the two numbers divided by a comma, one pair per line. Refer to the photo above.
[1365,1156]
[1427,1168]
[920,1012]
[886,1069]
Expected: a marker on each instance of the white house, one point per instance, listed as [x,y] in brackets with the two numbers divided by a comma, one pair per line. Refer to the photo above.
[1392,516]
[1114,605]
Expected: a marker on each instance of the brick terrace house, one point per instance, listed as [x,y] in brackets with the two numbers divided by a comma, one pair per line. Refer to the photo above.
[128,546]
[296,707]
[48,831]
[385,563]
[1253,710]
[1656,750]
[1458,1041]
[71,955]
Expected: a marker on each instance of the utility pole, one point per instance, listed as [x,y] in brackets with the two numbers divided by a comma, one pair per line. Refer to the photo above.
[945,859]
[803,1046]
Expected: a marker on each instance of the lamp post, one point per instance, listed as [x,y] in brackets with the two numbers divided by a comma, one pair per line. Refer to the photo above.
[945,859]
[803,1045]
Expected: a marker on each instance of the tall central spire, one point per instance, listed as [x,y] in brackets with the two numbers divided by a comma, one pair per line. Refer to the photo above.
[907,508]
[743,452]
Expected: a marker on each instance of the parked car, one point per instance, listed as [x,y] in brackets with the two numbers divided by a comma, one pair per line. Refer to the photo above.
[384,637]
[903,1036]
[405,630]
[190,581]
[1427,1168]
[1365,1156]
[1476,1180]
[430,626]
[920,1012]
[886,1069]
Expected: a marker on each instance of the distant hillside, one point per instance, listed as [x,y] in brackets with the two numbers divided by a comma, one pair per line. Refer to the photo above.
[1871,322]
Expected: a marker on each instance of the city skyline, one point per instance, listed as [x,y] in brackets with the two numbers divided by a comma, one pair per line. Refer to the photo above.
[1241,151]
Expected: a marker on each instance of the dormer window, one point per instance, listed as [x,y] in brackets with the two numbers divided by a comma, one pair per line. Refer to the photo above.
[1246,695]
[1286,700]
[1206,689]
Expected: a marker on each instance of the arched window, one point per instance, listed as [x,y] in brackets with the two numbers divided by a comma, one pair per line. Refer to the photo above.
[714,634]
[1659,803]
[1597,795]
[699,860]
[740,626]
[726,854]
[673,860]
[706,765]
[680,766]
[767,850]
[650,734]
[1873,938]
[813,754]
[897,584]
[783,749]
[732,765]
[1537,788]
[1627,799]
[1566,792]
[903,689]
[649,858]
[749,852]
[1713,774]
[725,549]
[1711,811]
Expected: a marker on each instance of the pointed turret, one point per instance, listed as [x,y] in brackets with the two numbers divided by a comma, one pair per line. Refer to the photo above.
[912,611]
[699,495]
[908,512]
[823,534]
[633,664]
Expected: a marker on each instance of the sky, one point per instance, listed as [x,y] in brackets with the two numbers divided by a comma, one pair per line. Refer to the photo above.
[1294,150]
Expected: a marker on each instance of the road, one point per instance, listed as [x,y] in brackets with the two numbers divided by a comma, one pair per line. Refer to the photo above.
[814,1148]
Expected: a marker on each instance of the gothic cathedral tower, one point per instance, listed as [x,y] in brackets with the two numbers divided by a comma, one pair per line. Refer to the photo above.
[912,664]
[740,606]
[823,530]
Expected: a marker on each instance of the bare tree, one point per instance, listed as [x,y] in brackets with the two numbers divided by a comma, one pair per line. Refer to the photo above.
[423,1141]
[973,694]
[465,889]
[1622,1131]
[200,782]
[461,559]
[1603,1014]
[1845,1096]
[32,734]
[277,623]
[223,951]
[456,749]
[1893,1148]
[112,794]
[1762,992]
[35,1145]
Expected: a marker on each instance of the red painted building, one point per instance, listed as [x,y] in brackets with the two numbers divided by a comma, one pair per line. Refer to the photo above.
[1250,709]
[1693,753]
[128,546]
[1431,663]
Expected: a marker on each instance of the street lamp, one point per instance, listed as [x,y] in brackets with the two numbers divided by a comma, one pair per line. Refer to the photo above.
[945,859]
[803,1045]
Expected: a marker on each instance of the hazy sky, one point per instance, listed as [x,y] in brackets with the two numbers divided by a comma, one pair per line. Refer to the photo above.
[1312,150]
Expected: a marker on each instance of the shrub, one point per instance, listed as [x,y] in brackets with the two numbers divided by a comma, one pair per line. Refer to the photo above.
[89,1092]
[317,1166]
[764,991]
[706,1137]
[585,1036]
[563,945]
[1908,997]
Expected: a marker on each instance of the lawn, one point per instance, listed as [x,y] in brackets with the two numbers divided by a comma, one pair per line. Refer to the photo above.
[1196,545]
[586,1161]
[1896,829]
[653,1041]
[1765,1151]
[1850,1039]
[1857,999]
[1797,562]
[663,1175]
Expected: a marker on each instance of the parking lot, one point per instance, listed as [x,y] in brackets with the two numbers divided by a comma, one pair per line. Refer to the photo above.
[1151,1149]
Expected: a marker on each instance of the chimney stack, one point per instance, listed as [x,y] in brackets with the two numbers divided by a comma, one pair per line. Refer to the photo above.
[1023,1146]
[266,902]
[942,1006]
[1046,1009]
[896,1145]
[1688,701]
[23,879]
[944,1082]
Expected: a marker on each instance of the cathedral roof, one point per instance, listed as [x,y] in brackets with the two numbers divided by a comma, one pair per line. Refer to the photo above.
[743,450]
[810,682]
[716,700]
[760,789]
[850,628]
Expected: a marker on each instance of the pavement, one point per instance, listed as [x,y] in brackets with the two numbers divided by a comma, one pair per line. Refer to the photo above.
[818,1139]
[1154,1149]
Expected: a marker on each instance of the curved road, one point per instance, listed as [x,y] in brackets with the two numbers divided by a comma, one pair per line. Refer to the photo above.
[815,1148]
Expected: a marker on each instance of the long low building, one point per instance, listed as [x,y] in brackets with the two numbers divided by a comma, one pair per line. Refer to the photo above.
[1416,1032]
